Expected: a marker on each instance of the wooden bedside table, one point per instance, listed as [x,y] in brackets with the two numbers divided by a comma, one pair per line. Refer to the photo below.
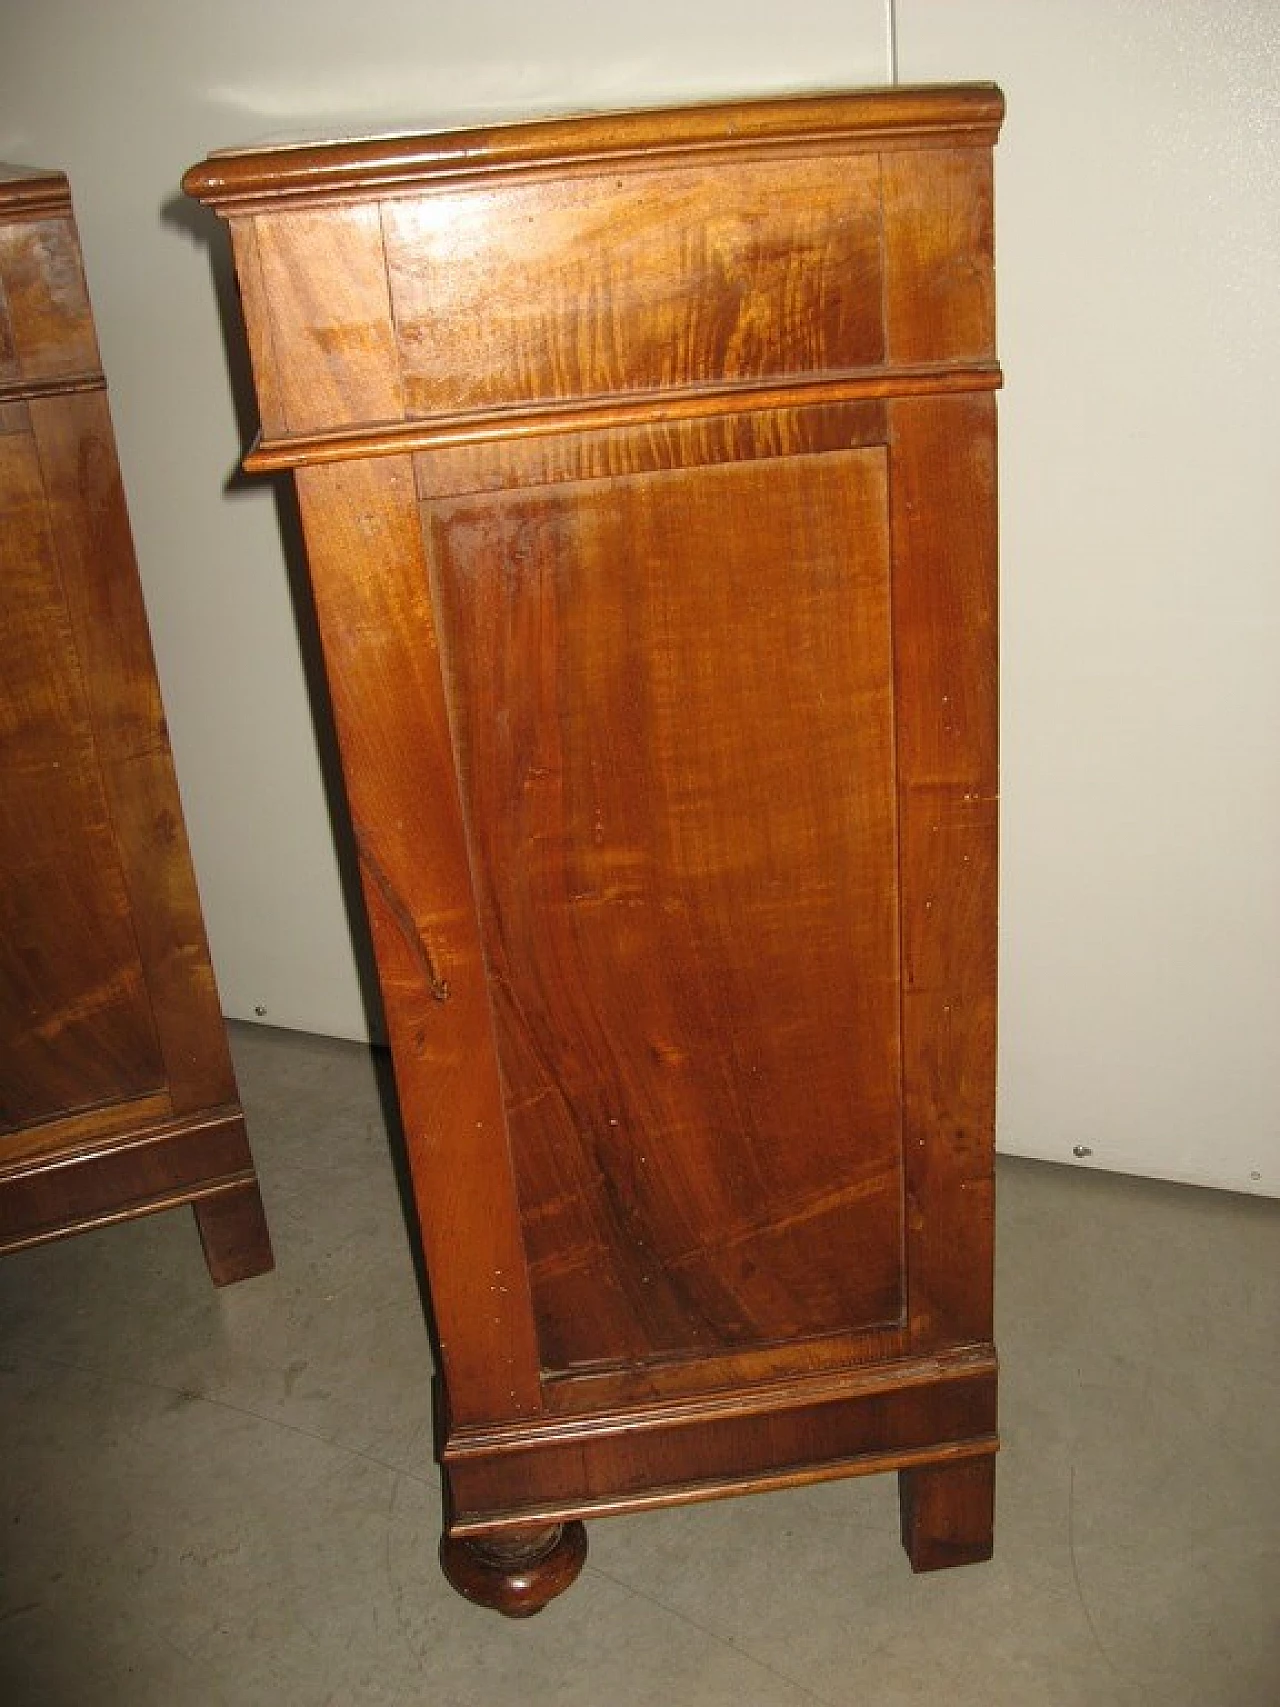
[647,471]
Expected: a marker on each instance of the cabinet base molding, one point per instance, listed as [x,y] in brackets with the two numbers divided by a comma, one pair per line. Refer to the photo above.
[204,1161]
[928,1412]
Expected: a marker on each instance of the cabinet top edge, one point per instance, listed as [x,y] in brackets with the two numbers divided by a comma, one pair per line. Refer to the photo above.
[234,178]
[29,190]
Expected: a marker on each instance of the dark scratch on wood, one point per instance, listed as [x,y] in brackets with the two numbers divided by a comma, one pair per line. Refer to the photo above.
[418,946]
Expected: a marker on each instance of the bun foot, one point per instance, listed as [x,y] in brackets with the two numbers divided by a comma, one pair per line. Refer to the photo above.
[515,1571]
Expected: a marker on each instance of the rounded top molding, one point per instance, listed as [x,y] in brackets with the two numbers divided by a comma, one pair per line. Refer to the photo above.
[233,180]
[28,192]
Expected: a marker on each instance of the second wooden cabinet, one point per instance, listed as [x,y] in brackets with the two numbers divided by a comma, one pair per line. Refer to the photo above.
[117,1094]
[647,471]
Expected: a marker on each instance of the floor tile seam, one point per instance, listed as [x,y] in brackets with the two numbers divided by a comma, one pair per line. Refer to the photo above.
[237,1410]
[712,1635]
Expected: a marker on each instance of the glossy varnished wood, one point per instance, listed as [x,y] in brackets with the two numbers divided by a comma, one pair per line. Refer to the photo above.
[646,465]
[948,1513]
[61,1052]
[517,1571]
[692,937]
[945,623]
[392,720]
[612,297]
[116,1090]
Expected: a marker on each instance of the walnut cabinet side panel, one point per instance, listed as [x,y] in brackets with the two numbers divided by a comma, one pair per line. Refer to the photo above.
[675,827]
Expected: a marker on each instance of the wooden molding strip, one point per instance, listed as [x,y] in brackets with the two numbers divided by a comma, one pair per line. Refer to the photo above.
[70,1134]
[28,390]
[29,193]
[147,1133]
[398,438]
[113,1216]
[726,1486]
[783,1434]
[233,182]
[692,1410]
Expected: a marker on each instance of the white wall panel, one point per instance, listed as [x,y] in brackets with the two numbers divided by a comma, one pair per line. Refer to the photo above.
[1138,253]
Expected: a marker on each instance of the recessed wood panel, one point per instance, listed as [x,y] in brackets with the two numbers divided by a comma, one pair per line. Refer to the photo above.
[672,706]
[599,285]
[89,521]
[77,1029]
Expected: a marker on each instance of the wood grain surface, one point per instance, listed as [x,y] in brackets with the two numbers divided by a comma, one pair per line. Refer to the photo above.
[611,295]
[672,703]
[392,721]
[117,1096]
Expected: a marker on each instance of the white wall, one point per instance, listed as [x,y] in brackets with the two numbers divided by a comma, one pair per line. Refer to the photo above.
[1138,253]
[124,96]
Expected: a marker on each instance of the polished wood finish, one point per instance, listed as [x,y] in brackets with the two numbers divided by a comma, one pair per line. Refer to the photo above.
[117,1096]
[647,472]
[948,1513]
[518,1572]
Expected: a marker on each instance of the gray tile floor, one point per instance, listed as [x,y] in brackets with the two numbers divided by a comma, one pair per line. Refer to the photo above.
[228,1499]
